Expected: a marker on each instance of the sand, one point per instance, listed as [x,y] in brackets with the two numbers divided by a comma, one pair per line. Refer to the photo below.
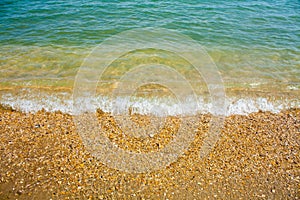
[257,157]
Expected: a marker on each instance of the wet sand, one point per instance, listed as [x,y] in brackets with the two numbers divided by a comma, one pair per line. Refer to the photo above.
[257,157]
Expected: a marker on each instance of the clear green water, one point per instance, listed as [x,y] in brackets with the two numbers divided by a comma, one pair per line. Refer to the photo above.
[255,44]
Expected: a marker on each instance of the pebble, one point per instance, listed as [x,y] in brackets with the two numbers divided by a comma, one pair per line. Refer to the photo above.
[44,158]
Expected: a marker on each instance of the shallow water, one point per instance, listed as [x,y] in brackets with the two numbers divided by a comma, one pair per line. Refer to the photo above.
[255,45]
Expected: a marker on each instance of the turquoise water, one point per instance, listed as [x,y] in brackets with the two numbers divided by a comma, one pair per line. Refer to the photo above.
[255,44]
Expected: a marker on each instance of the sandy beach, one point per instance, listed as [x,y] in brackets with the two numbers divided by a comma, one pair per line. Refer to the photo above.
[256,157]
[127,99]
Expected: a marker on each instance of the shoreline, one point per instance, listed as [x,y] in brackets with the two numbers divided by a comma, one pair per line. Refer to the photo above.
[32,100]
[257,156]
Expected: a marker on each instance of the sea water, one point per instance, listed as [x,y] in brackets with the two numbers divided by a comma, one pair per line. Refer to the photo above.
[254,44]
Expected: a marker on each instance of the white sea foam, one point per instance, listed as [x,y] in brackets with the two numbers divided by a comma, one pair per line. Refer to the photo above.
[156,106]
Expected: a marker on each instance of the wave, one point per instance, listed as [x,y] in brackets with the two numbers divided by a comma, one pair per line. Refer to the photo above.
[31,102]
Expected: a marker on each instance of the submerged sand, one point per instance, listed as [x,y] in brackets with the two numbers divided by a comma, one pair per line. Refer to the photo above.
[257,157]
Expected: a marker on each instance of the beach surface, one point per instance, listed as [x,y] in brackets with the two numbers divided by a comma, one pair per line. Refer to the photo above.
[42,156]
[178,62]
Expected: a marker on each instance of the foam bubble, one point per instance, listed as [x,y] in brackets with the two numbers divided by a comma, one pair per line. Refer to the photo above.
[33,102]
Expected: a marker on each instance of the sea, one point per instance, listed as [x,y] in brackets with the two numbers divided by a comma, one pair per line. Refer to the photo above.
[254,47]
